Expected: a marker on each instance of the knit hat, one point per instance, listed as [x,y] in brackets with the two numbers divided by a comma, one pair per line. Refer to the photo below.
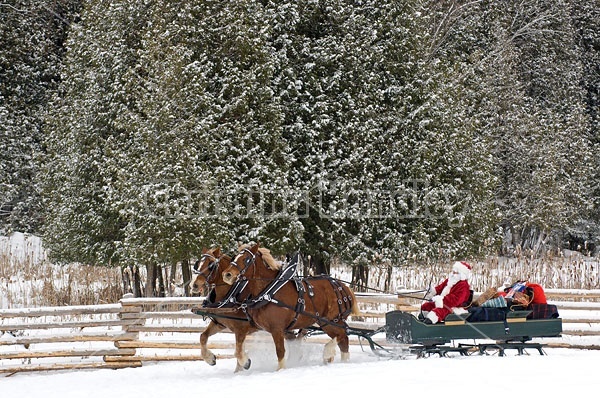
[463,268]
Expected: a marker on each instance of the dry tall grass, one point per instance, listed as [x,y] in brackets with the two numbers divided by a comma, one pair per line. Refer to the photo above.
[25,284]
[31,280]
[568,271]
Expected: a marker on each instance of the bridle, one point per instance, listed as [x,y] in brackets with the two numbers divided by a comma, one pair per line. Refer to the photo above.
[247,262]
[212,269]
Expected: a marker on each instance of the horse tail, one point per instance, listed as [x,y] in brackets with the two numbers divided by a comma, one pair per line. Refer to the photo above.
[355,310]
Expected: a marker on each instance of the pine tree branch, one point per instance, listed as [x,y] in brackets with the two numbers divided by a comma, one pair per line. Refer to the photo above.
[443,28]
[13,7]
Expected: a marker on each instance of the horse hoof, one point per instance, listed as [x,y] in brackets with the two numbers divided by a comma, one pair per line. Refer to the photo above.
[211,360]
[239,368]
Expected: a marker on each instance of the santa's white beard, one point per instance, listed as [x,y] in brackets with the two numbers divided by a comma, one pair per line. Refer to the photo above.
[453,279]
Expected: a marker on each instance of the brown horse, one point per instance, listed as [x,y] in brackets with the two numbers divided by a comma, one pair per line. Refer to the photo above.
[209,283]
[298,304]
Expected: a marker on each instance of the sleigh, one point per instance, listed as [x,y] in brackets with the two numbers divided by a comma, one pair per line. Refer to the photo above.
[511,330]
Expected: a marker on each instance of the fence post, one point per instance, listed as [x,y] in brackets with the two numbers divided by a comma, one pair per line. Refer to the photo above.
[130,315]
[402,302]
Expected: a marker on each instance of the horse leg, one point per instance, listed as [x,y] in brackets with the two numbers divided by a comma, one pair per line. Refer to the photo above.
[243,362]
[279,340]
[329,351]
[344,345]
[207,355]
[341,338]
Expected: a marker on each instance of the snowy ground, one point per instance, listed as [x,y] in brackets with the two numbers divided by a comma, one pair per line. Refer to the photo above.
[364,375]
[561,371]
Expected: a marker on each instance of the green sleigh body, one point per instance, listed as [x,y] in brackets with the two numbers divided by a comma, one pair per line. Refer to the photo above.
[513,332]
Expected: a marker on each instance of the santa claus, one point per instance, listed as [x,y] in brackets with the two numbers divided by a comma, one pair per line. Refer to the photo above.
[453,293]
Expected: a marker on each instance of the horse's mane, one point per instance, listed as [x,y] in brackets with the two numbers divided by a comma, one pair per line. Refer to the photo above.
[223,257]
[266,256]
[268,259]
[244,246]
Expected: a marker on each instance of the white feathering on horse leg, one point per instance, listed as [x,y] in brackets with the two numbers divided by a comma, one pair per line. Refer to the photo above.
[281,364]
[329,351]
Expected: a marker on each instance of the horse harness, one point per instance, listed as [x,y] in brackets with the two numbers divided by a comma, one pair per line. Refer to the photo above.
[228,302]
[344,302]
[303,287]
[212,268]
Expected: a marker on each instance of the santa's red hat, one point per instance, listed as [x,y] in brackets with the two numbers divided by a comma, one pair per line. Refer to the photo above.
[463,268]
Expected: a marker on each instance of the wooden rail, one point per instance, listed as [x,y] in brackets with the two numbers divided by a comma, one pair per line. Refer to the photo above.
[134,331]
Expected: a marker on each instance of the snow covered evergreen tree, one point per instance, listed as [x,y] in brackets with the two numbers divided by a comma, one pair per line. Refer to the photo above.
[537,119]
[388,169]
[32,35]
[82,225]
[324,51]
[586,235]
[214,165]
[449,181]
[166,137]
[377,132]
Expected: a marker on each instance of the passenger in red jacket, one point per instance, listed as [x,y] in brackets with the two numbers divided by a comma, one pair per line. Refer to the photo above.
[452,293]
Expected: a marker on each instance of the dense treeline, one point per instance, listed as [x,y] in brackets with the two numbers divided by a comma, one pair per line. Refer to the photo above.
[372,131]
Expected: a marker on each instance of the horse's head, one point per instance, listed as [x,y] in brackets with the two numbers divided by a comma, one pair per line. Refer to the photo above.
[251,256]
[207,272]
[240,263]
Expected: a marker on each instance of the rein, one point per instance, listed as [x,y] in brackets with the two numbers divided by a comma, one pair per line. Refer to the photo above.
[407,294]
[231,299]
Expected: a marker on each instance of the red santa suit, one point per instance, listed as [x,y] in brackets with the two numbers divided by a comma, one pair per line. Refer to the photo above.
[452,293]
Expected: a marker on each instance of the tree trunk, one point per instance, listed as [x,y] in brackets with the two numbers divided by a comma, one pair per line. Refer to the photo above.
[306,265]
[137,282]
[131,280]
[319,265]
[127,278]
[388,278]
[171,280]
[186,275]
[160,292]
[360,277]
[151,280]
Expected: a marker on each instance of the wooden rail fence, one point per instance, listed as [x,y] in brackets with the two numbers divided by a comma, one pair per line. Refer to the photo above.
[134,331]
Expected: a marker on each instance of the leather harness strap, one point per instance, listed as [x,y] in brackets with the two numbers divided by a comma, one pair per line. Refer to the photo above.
[303,287]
